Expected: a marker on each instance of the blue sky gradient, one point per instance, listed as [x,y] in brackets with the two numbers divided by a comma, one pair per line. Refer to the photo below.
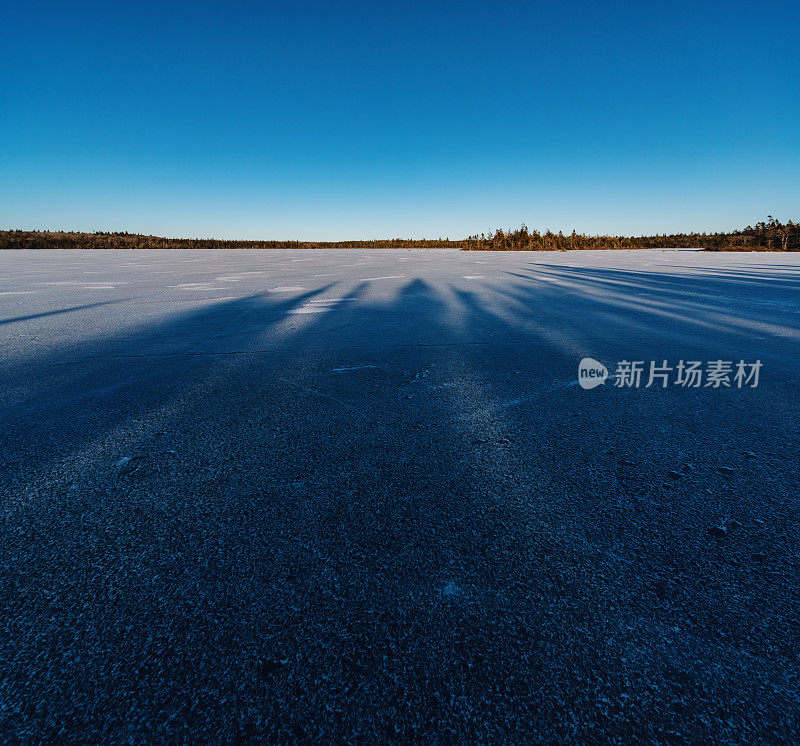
[331,120]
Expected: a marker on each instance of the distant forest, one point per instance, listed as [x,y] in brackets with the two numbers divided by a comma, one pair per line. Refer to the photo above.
[102,240]
[769,235]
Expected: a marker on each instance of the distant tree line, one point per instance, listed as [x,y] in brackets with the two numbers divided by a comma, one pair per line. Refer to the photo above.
[104,240]
[769,235]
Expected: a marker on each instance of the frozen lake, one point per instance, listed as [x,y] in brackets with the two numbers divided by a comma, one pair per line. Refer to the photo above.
[285,493]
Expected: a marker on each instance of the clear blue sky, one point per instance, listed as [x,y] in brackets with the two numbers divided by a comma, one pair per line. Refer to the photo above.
[343,119]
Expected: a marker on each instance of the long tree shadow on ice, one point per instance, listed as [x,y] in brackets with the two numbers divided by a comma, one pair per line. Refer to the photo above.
[377,519]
